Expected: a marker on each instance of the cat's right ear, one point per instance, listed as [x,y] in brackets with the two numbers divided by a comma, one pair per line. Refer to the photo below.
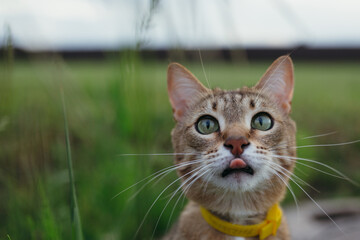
[183,89]
[278,81]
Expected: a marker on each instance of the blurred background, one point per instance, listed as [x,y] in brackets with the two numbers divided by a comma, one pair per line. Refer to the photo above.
[109,58]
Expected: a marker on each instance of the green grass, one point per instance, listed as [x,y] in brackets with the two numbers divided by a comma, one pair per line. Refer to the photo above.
[74,208]
[120,105]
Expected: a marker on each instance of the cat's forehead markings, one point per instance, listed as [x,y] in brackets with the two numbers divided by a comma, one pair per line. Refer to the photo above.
[231,104]
[214,106]
[252,104]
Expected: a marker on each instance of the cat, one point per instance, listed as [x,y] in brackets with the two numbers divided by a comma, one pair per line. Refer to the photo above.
[229,145]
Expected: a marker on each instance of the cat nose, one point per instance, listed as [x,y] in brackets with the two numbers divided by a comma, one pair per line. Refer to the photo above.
[236,145]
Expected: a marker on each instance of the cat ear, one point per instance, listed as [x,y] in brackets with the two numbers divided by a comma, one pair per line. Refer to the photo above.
[278,81]
[183,89]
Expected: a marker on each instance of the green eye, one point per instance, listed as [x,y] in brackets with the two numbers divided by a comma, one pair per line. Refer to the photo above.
[207,124]
[262,121]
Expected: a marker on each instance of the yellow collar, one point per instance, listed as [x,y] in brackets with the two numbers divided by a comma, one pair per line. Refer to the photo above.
[263,230]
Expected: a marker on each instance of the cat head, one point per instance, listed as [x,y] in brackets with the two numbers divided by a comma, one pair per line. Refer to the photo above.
[235,147]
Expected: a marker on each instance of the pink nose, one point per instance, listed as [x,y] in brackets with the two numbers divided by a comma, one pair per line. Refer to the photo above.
[236,145]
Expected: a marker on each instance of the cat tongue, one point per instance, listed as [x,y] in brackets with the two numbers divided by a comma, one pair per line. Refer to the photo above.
[237,163]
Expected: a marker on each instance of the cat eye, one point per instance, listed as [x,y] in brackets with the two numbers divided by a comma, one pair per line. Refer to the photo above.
[206,125]
[262,121]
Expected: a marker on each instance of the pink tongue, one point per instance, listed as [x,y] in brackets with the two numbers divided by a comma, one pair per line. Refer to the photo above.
[237,163]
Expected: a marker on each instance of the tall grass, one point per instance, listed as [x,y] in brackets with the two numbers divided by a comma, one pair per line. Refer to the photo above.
[74,209]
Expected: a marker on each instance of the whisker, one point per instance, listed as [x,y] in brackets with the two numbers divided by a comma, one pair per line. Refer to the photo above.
[152,205]
[318,205]
[287,185]
[295,176]
[197,178]
[158,154]
[282,146]
[207,181]
[193,161]
[158,173]
[329,145]
[184,183]
[185,164]
[183,195]
[319,170]
[342,176]
[164,174]
[194,175]
[321,145]
[320,135]
[173,209]
[301,171]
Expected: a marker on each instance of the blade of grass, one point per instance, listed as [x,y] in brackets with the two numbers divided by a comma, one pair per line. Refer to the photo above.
[74,210]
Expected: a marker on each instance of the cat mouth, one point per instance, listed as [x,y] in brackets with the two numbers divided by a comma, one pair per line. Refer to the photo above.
[237,165]
[229,171]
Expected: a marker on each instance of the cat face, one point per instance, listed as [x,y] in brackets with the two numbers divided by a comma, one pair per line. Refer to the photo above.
[233,140]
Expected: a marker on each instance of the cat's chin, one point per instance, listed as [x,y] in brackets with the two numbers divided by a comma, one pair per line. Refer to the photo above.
[239,182]
[227,201]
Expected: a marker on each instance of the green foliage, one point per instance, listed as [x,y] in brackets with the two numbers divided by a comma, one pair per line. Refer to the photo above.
[119,106]
[74,208]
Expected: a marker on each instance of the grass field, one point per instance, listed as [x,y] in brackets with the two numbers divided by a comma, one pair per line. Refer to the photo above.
[119,105]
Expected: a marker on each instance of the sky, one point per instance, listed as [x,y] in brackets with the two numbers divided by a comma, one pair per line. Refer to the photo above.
[113,24]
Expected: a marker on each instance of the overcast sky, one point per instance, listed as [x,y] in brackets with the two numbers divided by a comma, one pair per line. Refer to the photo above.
[112,24]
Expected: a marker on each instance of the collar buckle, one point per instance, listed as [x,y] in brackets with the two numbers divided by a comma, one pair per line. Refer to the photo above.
[273,219]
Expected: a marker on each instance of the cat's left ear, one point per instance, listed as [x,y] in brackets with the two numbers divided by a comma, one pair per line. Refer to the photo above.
[183,88]
[278,81]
